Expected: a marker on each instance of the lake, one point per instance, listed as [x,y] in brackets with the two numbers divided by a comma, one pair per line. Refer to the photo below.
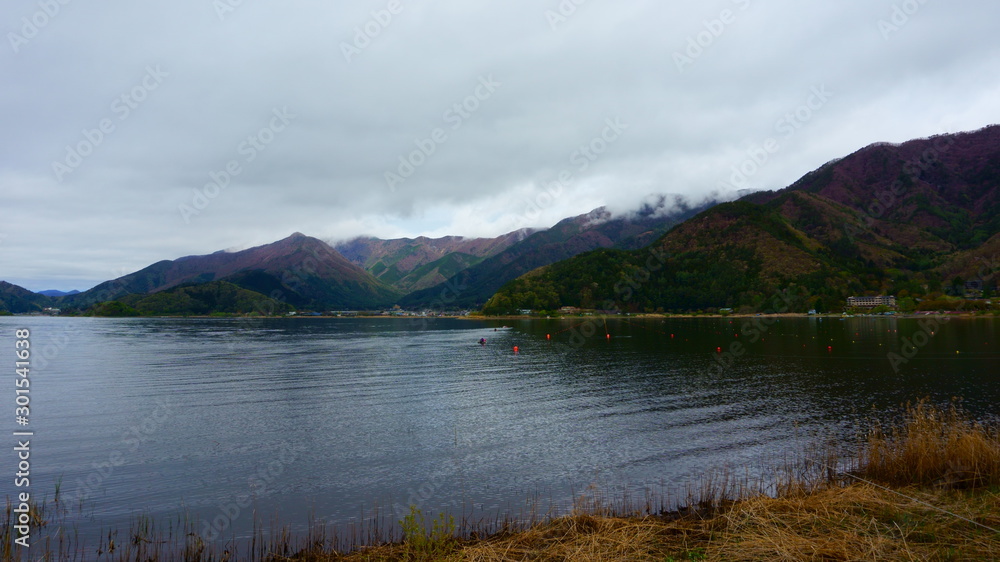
[343,420]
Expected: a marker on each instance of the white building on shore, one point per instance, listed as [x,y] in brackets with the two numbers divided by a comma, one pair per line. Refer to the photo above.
[871,302]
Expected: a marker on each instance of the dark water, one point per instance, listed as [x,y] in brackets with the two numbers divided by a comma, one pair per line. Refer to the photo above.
[330,418]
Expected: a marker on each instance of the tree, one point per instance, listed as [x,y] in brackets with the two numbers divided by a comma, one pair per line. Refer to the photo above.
[115,309]
[958,286]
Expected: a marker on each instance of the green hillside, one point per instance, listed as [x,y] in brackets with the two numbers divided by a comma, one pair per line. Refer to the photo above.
[219,297]
[18,300]
[570,237]
[815,243]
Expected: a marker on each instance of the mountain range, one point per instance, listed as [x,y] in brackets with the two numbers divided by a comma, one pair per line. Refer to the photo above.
[411,264]
[570,237]
[301,271]
[55,293]
[910,218]
[365,273]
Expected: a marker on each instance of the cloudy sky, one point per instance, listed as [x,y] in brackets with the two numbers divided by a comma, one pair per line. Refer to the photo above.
[141,131]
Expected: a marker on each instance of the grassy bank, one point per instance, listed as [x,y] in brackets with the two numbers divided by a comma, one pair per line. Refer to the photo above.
[924,488]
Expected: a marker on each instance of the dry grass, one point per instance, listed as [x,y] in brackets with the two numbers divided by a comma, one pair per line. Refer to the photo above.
[856,522]
[933,446]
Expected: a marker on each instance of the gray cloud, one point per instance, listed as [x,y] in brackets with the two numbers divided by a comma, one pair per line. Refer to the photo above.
[201,89]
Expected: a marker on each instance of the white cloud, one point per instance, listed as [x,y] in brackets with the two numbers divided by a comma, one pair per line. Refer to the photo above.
[325,173]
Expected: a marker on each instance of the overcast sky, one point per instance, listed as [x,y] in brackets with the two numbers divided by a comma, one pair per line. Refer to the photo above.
[141,131]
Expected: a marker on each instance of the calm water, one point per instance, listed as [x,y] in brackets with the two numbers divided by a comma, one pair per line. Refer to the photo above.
[331,417]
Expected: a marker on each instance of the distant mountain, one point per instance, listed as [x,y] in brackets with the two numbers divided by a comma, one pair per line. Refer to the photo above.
[300,270]
[913,219]
[570,237]
[18,300]
[410,264]
[55,293]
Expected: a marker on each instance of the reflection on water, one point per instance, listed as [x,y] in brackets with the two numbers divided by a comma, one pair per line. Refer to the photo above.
[335,417]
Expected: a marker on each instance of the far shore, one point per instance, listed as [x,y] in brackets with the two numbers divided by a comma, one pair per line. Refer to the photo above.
[734,315]
[521,317]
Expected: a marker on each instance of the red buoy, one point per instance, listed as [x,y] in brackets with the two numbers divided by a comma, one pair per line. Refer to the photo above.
[515,349]
[548,336]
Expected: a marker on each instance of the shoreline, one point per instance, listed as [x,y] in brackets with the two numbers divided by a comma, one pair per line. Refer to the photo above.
[925,488]
[653,316]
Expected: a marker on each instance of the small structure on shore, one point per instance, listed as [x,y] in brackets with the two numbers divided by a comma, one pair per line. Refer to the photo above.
[871,302]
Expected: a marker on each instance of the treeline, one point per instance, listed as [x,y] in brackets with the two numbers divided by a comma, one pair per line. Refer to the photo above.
[736,256]
[696,282]
[624,281]
[219,297]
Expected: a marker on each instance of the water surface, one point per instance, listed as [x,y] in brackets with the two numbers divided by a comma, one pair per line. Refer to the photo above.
[333,417]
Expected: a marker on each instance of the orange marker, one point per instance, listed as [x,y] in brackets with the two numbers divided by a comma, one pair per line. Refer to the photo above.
[548,336]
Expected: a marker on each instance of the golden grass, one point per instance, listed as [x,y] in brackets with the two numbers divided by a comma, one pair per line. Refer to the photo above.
[933,446]
[856,522]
